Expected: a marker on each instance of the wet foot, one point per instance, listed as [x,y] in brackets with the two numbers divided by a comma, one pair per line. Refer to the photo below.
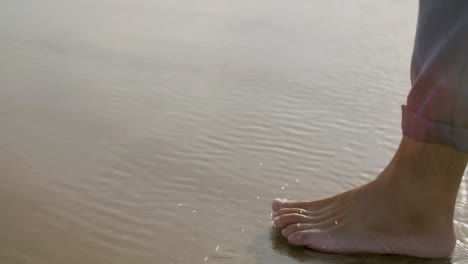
[407,210]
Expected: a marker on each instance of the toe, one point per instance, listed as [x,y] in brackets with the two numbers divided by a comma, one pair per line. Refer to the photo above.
[289,219]
[312,238]
[300,238]
[290,229]
[315,239]
[284,211]
[277,204]
[280,203]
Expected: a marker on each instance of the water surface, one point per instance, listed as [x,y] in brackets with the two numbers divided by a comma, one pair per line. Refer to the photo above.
[159,131]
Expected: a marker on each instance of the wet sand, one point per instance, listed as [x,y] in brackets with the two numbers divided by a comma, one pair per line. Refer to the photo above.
[159,131]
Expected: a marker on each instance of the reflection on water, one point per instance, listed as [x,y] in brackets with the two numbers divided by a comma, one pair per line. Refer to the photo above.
[159,131]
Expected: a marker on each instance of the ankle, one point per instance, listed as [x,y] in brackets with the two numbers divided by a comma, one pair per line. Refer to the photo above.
[431,169]
[429,161]
[421,182]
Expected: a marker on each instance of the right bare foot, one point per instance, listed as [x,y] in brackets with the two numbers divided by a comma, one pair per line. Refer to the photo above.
[407,210]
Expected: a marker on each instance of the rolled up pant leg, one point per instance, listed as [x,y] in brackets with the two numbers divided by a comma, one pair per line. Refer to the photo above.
[437,106]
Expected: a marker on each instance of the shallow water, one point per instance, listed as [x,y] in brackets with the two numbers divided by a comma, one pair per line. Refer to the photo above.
[159,131]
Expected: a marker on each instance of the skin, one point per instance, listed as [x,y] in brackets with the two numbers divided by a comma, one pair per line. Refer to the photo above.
[407,210]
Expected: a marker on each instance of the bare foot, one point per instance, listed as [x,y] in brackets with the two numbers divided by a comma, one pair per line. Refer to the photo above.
[407,210]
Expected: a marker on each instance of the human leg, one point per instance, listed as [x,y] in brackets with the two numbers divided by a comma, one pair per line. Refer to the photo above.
[408,208]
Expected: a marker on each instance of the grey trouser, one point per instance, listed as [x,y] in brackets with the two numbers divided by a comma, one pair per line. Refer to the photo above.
[437,106]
